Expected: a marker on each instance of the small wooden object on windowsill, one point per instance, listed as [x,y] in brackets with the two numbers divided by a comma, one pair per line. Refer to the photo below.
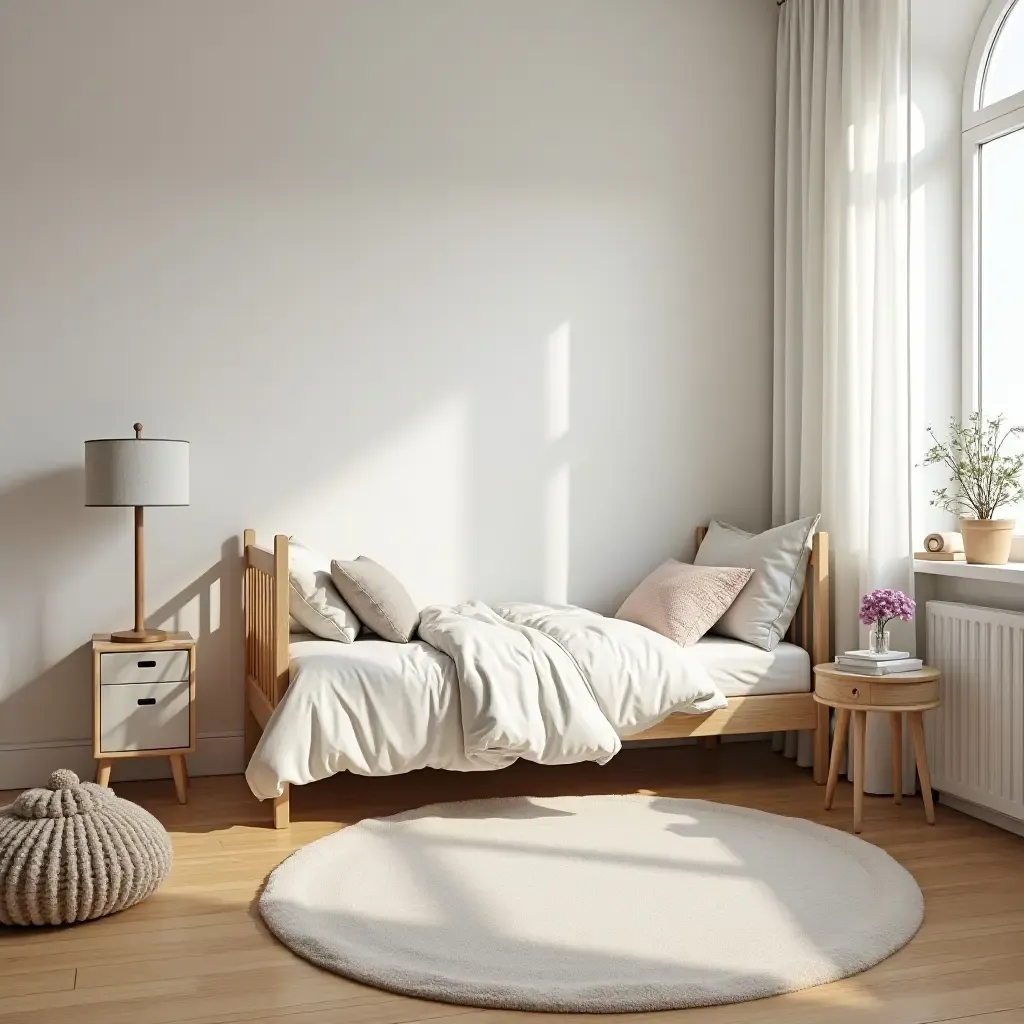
[144,703]
[941,556]
[853,696]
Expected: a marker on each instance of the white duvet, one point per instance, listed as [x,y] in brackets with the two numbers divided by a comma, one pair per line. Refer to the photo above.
[481,688]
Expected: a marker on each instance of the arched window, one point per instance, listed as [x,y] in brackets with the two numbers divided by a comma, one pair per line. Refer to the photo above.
[993,227]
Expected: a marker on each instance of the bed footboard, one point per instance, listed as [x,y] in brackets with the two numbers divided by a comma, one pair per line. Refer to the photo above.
[265,603]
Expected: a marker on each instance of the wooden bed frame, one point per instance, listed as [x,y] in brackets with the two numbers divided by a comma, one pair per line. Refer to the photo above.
[266,619]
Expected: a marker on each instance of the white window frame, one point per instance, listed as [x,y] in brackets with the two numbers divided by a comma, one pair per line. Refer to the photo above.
[980,125]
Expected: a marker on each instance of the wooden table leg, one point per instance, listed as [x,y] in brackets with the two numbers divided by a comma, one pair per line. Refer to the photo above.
[838,749]
[921,756]
[896,724]
[180,778]
[859,729]
[821,762]
[103,772]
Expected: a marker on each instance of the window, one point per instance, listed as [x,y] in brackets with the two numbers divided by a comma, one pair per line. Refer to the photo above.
[993,141]
[1004,71]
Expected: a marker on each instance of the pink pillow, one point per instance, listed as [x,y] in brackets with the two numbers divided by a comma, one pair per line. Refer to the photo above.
[683,601]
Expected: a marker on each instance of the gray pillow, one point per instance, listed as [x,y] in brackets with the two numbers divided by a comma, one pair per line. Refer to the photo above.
[382,604]
[766,606]
[683,601]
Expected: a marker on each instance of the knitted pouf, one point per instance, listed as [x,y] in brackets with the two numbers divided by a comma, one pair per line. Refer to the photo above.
[75,851]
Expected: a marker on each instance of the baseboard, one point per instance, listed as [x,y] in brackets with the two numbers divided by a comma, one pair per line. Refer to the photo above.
[30,764]
[996,818]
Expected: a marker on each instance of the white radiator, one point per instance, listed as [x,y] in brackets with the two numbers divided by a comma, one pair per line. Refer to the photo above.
[976,737]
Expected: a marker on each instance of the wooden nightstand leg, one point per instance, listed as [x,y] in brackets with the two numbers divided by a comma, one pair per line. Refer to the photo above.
[896,728]
[180,777]
[859,729]
[921,756]
[103,772]
[838,749]
[821,761]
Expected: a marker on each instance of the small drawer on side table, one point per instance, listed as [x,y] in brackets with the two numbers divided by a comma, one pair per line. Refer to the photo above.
[144,716]
[842,691]
[143,667]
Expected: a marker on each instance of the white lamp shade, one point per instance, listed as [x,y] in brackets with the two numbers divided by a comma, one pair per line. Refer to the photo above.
[136,471]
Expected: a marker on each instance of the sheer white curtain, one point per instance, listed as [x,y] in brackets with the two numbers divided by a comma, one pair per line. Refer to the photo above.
[841,428]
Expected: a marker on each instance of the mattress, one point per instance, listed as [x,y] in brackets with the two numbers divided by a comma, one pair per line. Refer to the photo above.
[738,669]
[742,670]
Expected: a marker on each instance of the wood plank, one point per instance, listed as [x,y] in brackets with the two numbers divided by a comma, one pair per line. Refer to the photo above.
[260,558]
[258,704]
[743,715]
[35,982]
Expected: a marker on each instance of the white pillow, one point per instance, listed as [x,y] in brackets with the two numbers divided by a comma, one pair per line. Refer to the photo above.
[766,605]
[313,599]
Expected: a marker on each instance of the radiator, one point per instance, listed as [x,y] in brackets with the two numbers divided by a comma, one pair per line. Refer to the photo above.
[976,737]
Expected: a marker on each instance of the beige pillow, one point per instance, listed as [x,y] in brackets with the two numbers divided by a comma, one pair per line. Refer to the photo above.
[762,613]
[683,601]
[381,602]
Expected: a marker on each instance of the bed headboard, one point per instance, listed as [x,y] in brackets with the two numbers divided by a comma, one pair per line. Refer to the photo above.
[811,626]
[265,612]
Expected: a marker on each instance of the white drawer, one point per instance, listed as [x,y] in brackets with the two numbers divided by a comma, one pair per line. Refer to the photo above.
[143,667]
[144,716]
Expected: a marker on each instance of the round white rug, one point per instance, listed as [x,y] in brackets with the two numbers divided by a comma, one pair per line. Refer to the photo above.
[598,903]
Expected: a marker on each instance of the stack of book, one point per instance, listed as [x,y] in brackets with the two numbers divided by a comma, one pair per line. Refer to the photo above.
[864,663]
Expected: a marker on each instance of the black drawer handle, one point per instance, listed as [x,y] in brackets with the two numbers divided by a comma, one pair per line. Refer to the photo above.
[147,700]
[147,664]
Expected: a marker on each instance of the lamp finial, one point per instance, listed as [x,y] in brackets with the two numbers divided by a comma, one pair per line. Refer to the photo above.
[138,430]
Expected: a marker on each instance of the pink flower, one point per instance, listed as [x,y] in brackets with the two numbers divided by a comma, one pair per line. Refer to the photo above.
[880,606]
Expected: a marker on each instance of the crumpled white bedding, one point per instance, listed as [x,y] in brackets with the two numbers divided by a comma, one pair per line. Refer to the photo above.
[480,688]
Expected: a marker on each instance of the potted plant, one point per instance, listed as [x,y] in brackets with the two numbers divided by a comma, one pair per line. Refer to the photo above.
[984,479]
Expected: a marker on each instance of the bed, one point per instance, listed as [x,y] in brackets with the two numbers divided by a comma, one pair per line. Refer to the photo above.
[767,691]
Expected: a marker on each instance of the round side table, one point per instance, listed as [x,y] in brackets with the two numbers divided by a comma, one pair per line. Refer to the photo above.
[853,696]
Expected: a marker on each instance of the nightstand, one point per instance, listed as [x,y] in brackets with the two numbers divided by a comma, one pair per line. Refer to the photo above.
[144,703]
[853,696]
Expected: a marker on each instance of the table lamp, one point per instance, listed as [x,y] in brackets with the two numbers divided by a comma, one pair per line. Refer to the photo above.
[137,471]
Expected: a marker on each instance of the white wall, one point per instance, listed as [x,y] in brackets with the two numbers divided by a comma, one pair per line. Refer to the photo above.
[344,248]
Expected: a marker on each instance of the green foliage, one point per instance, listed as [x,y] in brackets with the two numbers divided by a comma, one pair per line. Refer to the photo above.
[983,478]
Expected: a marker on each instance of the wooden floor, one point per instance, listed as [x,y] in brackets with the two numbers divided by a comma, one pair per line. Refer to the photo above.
[197,951]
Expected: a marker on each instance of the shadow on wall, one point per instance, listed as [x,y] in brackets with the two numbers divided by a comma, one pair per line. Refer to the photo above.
[210,609]
[48,534]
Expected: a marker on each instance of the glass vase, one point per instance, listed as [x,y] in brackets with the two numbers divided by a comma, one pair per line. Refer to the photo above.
[878,641]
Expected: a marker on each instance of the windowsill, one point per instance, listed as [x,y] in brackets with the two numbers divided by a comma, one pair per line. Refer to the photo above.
[1012,572]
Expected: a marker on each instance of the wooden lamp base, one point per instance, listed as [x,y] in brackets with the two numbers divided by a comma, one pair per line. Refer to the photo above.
[139,636]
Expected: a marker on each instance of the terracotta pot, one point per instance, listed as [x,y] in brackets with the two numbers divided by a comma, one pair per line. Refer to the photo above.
[987,541]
